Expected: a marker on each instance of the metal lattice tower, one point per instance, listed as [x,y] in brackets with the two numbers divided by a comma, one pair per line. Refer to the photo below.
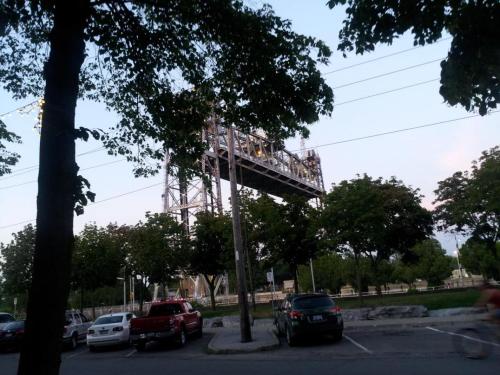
[262,165]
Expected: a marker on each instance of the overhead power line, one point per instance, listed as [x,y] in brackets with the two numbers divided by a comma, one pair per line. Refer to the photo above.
[387,74]
[91,204]
[387,92]
[380,58]
[18,109]
[31,168]
[393,131]
[83,169]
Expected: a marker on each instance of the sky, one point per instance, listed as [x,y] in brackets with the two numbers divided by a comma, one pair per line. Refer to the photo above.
[419,157]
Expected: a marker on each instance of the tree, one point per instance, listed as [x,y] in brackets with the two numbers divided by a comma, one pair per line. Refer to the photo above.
[470,73]
[433,264]
[16,262]
[329,274]
[164,67]
[469,203]
[374,218]
[211,248]
[287,231]
[98,258]
[157,249]
[478,258]
[7,158]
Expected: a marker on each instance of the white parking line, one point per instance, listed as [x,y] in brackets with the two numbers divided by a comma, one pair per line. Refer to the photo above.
[131,353]
[464,336]
[358,344]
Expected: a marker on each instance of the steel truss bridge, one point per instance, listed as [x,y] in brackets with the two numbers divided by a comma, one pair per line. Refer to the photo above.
[261,165]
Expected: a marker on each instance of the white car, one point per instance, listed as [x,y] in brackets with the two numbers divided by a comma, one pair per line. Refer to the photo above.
[110,329]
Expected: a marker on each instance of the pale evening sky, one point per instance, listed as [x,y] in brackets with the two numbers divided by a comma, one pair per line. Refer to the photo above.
[419,157]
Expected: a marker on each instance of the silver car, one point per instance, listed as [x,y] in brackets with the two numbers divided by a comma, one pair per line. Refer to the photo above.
[5,318]
[110,329]
[75,328]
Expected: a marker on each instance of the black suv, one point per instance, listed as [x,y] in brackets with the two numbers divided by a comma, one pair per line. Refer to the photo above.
[313,315]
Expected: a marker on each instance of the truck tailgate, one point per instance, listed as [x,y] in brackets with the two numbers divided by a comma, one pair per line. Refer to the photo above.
[150,324]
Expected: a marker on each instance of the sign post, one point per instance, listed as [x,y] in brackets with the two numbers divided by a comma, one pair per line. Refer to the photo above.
[270,279]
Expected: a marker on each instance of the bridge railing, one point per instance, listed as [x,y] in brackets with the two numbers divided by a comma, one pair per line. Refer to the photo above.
[262,151]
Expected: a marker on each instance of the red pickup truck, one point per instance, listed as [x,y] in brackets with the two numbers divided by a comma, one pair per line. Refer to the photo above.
[167,320]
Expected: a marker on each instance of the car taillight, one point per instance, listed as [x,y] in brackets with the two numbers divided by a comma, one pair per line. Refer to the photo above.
[20,332]
[91,331]
[294,314]
[118,329]
[335,309]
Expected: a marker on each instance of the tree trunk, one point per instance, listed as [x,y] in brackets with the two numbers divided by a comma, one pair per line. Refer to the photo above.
[211,287]
[358,279]
[81,300]
[295,279]
[49,291]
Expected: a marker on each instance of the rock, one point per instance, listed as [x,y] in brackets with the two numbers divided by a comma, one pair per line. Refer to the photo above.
[355,314]
[385,312]
[457,311]
[397,312]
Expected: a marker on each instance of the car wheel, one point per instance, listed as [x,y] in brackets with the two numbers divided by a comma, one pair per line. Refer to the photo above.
[290,339]
[74,342]
[91,348]
[140,346]
[181,338]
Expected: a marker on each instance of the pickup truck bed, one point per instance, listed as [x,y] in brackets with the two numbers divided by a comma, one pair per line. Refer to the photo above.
[171,320]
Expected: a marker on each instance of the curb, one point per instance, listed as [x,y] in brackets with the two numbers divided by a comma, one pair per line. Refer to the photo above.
[214,350]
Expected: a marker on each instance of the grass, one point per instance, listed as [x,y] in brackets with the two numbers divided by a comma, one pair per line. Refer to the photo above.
[263,310]
[431,300]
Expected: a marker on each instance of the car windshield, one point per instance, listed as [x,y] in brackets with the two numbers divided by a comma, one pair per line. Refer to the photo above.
[109,319]
[166,309]
[4,318]
[15,325]
[313,302]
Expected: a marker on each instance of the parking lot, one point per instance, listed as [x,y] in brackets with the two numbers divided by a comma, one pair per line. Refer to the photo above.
[421,350]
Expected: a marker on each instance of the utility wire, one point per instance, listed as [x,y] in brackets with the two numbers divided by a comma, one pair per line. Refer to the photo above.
[387,74]
[84,169]
[18,108]
[91,204]
[29,169]
[380,58]
[393,131]
[387,92]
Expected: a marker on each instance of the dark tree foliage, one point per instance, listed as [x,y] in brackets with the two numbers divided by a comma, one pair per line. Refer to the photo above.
[374,218]
[16,262]
[164,67]
[479,258]
[469,202]
[287,231]
[98,258]
[211,248]
[7,158]
[470,74]
[156,250]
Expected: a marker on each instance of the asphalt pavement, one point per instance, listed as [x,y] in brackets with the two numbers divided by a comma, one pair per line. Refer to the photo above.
[375,350]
